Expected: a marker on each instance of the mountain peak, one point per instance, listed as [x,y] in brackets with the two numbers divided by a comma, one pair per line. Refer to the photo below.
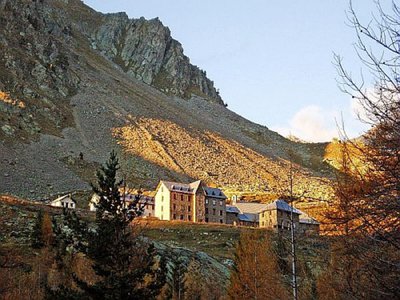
[145,50]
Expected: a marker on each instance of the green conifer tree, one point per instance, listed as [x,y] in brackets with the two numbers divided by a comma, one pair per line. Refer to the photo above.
[37,236]
[123,260]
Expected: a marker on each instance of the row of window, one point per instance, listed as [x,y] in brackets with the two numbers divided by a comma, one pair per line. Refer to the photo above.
[182,197]
[214,202]
[265,223]
[264,214]
[220,220]
[182,217]
[214,211]
[182,207]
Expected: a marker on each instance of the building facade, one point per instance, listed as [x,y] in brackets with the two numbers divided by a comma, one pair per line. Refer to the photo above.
[232,213]
[215,205]
[193,202]
[64,201]
[308,225]
[277,215]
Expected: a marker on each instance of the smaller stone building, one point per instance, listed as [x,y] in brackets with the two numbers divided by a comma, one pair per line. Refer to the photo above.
[147,204]
[308,225]
[65,201]
[215,205]
[249,213]
[277,215]
[232,213]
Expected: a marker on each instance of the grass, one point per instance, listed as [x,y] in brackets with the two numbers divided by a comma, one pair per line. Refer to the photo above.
[216,240]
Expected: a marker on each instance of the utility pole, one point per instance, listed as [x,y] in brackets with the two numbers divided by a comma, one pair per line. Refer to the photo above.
[292,233]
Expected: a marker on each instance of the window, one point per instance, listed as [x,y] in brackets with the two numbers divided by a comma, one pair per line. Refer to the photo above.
[220,213]
[162,198]
[214,210]
[174,206]
[149,214]
[206,210]
[189,218]
[221,221]
[174,216]
[207,220]
[206,201]
[262,215]
[182,218]
[174,196]
[262,223]
[162,208]
[162,217]
[214,202]
[188,208]
[185,197]
[181,197]
[220,202]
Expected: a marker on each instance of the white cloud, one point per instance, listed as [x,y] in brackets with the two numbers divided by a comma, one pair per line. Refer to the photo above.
[311,124]
[375,98]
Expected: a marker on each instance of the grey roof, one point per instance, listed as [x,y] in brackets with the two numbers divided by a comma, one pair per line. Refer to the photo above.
[232,209]
[214,192]
[63,197]
[282,205]
[306,219]
[249,207]
[188,188]
[248,217]
[142,199]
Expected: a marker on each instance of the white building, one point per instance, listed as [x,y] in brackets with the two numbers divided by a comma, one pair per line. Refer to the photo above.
[64,201]
[93,202]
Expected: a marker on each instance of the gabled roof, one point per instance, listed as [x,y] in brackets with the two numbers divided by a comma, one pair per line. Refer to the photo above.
[232,209]
[251,207]
[63,197]
[142,198]
[248,217]
[214,192]
[306,219]
[188,188]
[282,205]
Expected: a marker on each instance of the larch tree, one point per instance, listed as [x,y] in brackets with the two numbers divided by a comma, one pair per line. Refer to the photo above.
[368,200]
[256,273]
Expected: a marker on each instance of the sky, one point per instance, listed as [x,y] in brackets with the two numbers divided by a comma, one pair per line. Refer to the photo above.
[272,61]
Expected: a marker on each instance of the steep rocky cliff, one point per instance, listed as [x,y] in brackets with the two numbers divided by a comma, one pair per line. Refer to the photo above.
[76,81]
[144,49]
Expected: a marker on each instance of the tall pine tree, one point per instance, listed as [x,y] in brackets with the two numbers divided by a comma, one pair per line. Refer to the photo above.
[123,260]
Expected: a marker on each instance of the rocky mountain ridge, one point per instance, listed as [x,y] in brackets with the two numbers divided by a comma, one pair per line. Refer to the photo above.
[68,86]
[145,50]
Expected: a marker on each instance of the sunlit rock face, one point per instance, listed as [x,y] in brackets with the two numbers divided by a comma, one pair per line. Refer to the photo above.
[144,49]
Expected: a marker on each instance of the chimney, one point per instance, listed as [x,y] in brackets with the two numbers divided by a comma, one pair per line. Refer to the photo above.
[234,199]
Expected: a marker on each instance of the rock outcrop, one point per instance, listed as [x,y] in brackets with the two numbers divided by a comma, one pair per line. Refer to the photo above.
[144,49]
